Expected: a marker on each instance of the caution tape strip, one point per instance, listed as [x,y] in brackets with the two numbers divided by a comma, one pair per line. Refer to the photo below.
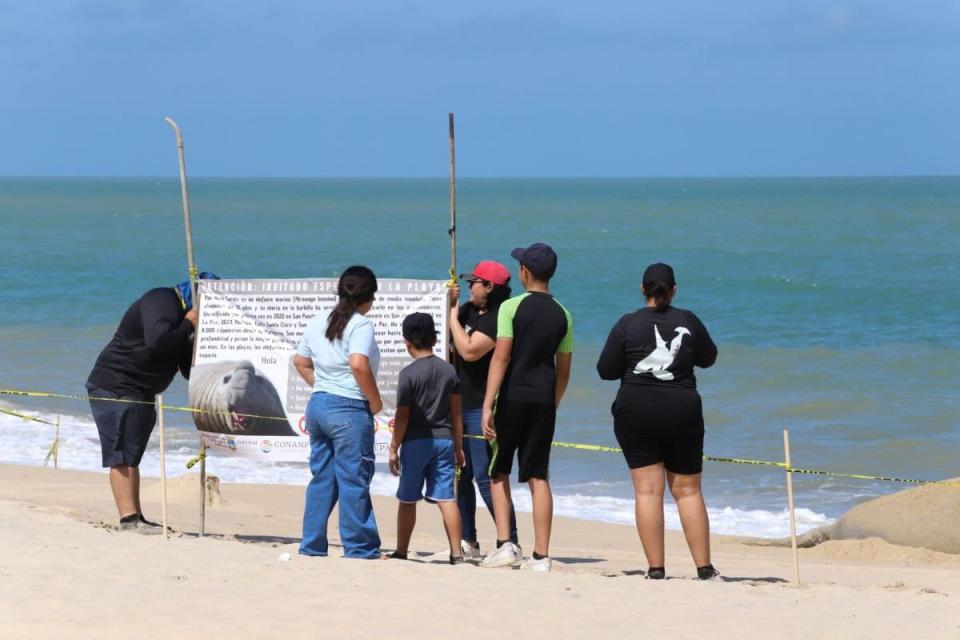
[26,417]
[763,463]
[197,458]
[562,445]
[171,407]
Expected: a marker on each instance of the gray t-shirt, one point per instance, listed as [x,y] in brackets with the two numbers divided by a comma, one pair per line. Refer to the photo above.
[425,385]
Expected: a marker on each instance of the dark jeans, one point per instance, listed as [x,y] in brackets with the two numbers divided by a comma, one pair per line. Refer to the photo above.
[477,455]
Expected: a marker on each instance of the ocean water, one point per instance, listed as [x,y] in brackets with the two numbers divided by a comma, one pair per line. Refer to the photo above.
[834,303]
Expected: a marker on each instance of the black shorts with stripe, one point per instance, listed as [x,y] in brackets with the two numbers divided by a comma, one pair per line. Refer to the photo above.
[525,429]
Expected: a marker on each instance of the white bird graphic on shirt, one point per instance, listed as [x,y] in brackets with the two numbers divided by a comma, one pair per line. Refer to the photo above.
[662,357]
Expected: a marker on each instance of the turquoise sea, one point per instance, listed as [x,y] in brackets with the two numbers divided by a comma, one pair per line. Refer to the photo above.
[835,304]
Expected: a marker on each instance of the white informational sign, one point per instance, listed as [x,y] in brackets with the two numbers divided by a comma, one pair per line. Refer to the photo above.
[251,396]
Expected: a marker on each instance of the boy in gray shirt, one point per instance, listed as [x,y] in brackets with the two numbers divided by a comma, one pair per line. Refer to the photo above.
[427,445]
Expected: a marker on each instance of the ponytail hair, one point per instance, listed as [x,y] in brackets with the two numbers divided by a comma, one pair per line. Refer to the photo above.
[660,292]
[356,287]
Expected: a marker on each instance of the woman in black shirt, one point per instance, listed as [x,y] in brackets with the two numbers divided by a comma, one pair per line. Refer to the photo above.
[473,327]
[658,416]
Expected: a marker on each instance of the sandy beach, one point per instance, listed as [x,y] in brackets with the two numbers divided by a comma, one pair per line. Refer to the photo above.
[67,573]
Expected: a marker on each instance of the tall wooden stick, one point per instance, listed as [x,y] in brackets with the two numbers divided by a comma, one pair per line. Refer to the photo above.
[192,271]
[793,515]
[163,468]
[451,353]
[453,200]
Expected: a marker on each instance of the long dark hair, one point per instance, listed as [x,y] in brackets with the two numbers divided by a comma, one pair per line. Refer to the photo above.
[356,287]
[497,295]
[660,292]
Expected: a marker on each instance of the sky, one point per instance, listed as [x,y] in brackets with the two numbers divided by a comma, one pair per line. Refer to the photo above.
[553,88]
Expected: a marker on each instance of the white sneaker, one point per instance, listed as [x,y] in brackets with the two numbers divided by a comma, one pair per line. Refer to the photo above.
[542,565]
[508,554]
[470,550]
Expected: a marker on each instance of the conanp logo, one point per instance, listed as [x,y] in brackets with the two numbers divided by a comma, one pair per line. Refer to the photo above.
[266,446]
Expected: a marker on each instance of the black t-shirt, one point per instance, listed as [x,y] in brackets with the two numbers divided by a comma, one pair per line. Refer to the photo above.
[425,385]
[473,375]
[541,328]
[151,343]
[657,347]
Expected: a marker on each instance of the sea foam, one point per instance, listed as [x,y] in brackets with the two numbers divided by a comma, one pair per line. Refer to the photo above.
[27,443]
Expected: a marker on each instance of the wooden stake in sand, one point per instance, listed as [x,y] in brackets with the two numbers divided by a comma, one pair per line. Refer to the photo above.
[192,270]
[163,467]
[56,450]
[793,515]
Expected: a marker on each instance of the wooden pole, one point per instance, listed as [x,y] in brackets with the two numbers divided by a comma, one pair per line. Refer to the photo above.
[452,231]
[793,515]
[185,200]
[56,445]
[192,271]
[453,200]
[163,468]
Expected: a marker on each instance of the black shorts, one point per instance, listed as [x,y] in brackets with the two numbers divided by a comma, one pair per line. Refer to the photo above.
[524,428]
[124,428]
[660,424]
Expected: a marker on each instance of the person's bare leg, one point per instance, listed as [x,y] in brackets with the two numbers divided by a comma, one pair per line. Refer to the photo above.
[693,515]
[648,483]
[406,520]
[451,524]
[502,504]
[542,514]
[125,483]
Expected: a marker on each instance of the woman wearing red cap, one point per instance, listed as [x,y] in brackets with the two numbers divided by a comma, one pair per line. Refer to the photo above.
[474,329]
[658,416]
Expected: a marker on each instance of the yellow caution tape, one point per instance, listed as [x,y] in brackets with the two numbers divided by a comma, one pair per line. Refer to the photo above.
[562,445]
[63,396]
[197,458]
[764,463]
[452,282]
[52,453]
[26,417]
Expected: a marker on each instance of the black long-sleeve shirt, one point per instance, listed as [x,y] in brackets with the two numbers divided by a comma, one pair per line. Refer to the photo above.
[153,341]
[657,347]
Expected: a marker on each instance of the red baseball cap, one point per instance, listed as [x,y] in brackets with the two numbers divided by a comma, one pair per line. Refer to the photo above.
[489,270]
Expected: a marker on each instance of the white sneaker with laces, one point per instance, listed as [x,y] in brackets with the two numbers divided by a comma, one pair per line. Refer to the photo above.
[470,550]
[542,565]
[508,554]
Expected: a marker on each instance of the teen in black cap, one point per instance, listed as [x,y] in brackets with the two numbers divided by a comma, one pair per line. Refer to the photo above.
[658,415]
[528,376]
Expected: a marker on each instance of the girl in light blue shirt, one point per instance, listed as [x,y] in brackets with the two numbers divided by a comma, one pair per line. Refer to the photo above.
[339,358]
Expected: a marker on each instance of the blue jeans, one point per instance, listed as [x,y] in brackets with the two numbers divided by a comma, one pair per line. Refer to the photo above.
[478,459]
[342,463]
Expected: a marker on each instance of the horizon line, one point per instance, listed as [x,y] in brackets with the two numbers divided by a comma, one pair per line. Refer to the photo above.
[474,177]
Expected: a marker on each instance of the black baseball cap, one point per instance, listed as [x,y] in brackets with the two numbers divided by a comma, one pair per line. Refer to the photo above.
[539,258]
[419,327]
[659,272]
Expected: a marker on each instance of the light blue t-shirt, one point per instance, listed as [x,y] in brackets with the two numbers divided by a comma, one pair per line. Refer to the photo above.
[331,360]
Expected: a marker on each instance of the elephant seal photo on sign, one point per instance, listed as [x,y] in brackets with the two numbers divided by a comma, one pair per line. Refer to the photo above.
[233,391]
[927,517]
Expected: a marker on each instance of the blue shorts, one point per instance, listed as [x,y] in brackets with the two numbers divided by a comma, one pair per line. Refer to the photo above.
[431,461]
